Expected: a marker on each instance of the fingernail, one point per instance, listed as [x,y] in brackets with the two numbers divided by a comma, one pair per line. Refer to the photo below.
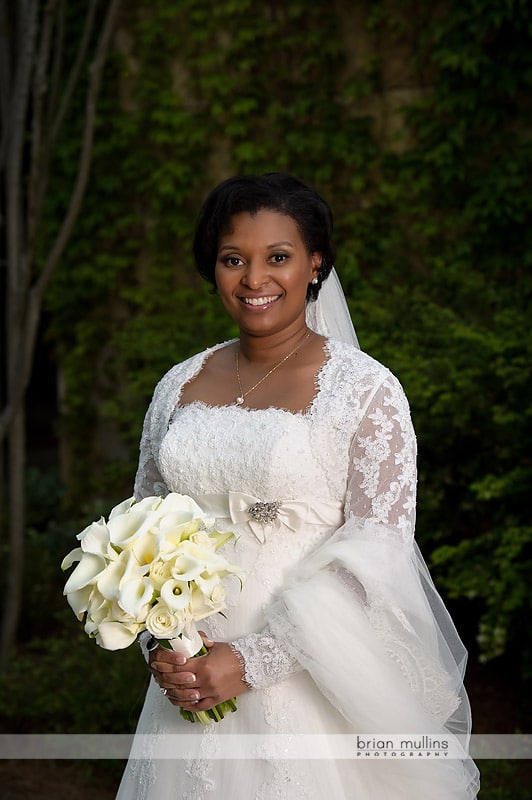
[194,697]
[190,679]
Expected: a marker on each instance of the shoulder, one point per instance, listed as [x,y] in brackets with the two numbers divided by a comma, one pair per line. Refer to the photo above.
[182,372]
[356,365]
[167,393]
[358,377]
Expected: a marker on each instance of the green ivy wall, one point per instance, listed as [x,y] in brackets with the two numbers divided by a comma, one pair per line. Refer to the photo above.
[414,120]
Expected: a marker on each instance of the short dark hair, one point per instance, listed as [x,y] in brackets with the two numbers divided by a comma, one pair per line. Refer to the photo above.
[274,191]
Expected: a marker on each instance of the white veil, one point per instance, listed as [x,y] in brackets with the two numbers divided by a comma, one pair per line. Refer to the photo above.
[329,314]
[432,628]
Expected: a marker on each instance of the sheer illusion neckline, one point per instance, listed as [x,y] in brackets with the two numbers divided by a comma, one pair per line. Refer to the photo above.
[307,412]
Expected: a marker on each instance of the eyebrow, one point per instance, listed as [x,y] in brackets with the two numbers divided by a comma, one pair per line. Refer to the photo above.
[268,247]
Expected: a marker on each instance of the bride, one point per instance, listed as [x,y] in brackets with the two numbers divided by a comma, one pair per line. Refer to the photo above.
[303,446]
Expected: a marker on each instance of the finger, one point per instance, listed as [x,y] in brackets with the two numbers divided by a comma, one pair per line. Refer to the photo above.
[183,699]
[206,640]
[176,680]
[163,663]
[201,705]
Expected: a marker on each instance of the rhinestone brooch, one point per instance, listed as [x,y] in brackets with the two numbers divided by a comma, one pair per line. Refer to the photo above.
[265,512]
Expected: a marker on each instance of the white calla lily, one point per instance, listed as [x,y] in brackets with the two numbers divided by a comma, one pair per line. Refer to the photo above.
[122,508]
[176,594]
[148,505]
[208,582]
[182,503]
[124,568]
[74,555]
[95,538]
[116,635]
[86,572]
[134,595]
[79,600]
[145,548]
[99,609]
[119,615]
[126,527]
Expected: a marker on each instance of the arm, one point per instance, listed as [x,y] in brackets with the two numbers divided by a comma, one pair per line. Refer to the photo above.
[148,480]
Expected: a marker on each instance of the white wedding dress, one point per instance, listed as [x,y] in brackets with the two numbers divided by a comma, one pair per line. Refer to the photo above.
[339,626]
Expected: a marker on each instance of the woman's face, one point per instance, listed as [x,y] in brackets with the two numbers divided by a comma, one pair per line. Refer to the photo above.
[263,270]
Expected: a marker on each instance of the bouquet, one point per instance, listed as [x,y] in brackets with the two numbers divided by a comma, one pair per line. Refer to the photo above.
[152,566]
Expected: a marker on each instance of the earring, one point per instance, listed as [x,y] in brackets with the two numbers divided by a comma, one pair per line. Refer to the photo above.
[314,280]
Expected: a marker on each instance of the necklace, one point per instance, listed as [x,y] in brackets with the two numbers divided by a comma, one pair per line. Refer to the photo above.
[239,401]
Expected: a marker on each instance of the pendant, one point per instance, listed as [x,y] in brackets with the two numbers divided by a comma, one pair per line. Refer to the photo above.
[239,400]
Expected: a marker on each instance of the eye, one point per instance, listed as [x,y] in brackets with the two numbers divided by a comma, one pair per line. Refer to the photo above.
[279,258]
[232,261]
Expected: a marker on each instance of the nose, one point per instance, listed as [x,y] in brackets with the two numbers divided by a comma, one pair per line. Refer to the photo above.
[256,274]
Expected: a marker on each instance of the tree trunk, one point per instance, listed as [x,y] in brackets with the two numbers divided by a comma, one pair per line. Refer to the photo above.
[30,63]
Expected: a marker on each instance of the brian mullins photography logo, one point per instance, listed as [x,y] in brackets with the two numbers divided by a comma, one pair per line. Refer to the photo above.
[402,747]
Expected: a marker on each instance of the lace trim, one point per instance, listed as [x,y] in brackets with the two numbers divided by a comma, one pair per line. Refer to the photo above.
[264,661]
[425,677]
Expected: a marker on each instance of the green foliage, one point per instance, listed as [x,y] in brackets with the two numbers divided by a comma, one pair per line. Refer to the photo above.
[500,780]
[72,697]
[432,215]
[73,685]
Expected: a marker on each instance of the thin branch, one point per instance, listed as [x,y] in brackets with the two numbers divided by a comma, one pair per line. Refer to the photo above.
[55,122]
[55,72]
[38,290]
[6,67]
[26,37]
[39,92]
[74,73]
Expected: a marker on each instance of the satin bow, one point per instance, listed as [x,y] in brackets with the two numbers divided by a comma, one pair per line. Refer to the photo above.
[240,507]
[293,514]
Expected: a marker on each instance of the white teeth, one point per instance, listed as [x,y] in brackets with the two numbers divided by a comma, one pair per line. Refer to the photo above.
[259,301]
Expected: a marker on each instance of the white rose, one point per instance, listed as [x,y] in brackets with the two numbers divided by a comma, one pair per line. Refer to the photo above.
[163,623]
[160,572]
[203,605]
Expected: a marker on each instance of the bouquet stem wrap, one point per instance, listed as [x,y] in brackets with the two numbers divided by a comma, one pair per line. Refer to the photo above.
[190,644]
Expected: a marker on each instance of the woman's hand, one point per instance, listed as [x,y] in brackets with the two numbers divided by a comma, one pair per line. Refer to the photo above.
[197,684]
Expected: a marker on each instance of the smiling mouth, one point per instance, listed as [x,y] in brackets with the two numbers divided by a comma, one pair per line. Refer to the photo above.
[259,301]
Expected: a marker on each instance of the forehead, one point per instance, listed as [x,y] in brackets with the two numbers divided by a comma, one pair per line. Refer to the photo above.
[262,227]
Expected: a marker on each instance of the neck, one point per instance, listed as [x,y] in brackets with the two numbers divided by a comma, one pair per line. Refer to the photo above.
[273,346]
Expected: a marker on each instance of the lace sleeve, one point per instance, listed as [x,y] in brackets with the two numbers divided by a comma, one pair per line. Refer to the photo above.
[264,659]
[382,474]
[148,480]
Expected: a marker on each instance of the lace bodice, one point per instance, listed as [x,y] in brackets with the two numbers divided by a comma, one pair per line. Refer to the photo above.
[355,444]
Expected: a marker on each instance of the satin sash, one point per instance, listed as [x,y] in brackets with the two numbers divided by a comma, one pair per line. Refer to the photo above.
[240,507]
